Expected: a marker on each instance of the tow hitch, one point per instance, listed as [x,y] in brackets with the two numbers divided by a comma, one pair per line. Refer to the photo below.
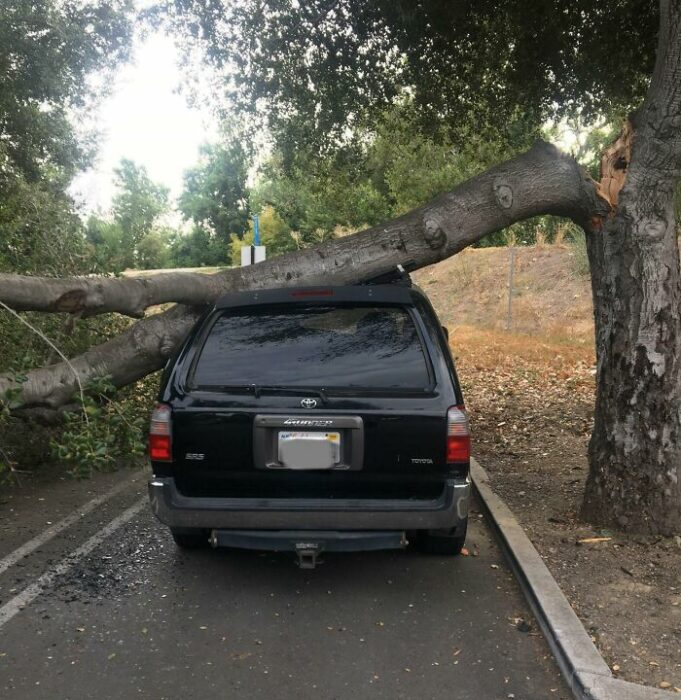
[307,553]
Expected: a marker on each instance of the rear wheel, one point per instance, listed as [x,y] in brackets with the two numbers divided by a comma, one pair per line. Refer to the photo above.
[442,542]
[189,538]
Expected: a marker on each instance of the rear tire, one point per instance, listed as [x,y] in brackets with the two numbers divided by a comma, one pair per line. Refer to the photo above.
[442,543]
[187,538]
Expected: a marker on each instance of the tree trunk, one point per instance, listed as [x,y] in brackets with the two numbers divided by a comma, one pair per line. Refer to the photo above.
[540,181]
[635,448]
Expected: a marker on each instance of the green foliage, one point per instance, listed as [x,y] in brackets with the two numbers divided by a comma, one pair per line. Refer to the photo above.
[578,253]
[314,196]
[106,247]
[108,427]
[316,69]
[540,229]
[380,174]
[139,201]
[133,238]
[39,231]
[136,207]
[56,60]
[107,430]
[274,233]
[198,248]
[49,51]
[153,250]
[215,195]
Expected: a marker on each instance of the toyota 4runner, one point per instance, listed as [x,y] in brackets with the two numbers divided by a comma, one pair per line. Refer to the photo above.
[312,419]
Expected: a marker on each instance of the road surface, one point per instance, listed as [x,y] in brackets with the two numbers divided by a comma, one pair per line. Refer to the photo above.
[104,606]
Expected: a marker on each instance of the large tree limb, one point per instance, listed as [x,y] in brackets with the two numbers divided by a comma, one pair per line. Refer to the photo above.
[525,186]
[541,181]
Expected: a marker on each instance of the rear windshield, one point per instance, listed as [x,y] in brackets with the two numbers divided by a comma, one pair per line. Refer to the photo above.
[323,347]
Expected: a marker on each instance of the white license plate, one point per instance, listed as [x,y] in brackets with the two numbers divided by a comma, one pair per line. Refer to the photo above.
[309,450]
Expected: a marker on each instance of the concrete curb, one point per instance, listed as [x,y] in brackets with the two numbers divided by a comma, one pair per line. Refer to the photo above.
[584,669]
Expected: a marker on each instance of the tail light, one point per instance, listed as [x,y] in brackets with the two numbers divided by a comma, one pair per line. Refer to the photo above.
[458,435]
[160,446]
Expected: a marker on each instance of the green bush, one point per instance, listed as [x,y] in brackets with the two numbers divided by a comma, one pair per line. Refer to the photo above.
[108,430]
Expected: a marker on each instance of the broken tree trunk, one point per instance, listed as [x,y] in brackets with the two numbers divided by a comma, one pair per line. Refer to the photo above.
[635,449]
[541,181]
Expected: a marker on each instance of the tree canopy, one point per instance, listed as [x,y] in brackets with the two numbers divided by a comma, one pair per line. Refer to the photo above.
[315,69]
[55,57]
[55,61]
[215,195]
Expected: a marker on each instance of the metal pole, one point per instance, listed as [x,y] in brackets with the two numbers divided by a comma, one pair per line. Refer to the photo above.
[256,230]
[511,267]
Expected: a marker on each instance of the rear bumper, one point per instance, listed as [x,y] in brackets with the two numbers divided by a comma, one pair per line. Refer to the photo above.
[308,540]
[176,510]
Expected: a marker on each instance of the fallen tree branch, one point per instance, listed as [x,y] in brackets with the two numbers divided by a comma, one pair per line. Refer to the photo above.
[512,191]
[541,181]
[46,340]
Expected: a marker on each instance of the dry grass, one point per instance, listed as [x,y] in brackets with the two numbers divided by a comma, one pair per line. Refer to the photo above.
[549,297]
[532,382]
[520,389]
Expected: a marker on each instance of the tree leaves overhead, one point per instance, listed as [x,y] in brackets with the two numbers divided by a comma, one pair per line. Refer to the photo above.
[56,58]
[317,67]
[50,52]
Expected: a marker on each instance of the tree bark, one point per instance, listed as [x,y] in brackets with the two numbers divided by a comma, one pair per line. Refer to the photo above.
[635,449]
[541,181]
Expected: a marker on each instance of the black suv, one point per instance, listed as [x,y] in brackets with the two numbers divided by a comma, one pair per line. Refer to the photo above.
[311,419]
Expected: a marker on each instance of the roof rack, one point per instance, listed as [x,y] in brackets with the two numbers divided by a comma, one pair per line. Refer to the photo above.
[398,275]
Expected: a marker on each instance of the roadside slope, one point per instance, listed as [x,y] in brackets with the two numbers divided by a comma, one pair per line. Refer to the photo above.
[550,295]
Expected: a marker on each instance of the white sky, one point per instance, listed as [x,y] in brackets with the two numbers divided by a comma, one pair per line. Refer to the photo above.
[146,120]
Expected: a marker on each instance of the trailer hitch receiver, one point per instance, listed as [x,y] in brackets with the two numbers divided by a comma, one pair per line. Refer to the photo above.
[307,553]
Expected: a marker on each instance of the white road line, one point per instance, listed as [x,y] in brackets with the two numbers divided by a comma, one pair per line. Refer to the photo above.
[20,601]
[13,557]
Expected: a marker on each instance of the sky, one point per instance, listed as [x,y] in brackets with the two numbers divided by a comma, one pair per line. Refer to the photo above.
[146,120]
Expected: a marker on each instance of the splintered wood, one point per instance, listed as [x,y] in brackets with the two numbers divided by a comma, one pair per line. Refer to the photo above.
[614,163]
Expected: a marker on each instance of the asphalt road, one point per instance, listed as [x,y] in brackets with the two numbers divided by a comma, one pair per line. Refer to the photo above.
[104,606]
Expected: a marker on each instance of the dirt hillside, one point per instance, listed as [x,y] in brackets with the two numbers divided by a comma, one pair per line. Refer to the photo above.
[551,296]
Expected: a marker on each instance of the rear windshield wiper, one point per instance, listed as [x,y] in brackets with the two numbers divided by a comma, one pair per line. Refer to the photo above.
[258,389]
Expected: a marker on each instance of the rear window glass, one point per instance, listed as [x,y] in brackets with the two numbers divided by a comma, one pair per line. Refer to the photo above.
[322,347]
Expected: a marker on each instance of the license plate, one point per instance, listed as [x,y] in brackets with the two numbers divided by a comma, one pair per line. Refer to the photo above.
[309,450]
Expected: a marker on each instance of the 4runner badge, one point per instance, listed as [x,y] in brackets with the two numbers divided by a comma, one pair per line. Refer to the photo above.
[309,403]
[309,423]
